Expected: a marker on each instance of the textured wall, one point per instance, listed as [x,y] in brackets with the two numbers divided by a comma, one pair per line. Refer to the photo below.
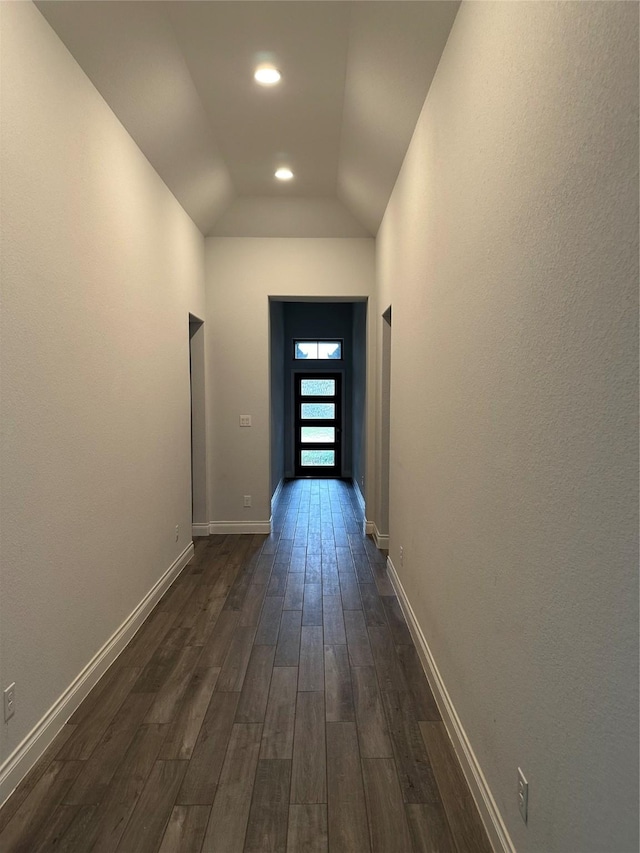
[100,267]
[241,274]
[509,251]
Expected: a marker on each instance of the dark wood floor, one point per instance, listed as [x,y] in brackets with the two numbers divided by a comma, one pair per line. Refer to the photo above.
[273,701]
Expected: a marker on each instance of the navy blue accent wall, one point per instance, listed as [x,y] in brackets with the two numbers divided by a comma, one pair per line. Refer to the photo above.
[359,378]
[276,330]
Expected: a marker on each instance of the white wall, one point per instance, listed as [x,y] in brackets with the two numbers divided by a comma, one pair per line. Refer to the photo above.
[509,251]
[100,267]
[241,274]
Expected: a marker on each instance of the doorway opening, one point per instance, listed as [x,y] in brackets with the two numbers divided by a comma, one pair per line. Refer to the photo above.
[385,428]
[317,435]
[199,519]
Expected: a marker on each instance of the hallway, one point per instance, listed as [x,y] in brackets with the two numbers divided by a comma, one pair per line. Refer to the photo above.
[272,701]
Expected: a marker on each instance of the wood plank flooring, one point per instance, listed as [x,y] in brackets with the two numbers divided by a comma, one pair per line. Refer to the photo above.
[272,701]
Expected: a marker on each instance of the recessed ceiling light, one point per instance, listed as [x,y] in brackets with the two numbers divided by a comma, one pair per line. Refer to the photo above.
[284,174]
[267,75]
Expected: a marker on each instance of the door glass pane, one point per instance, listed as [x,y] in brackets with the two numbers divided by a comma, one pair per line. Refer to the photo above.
[318,387]
[329,349]
[320,434]
[326,411]
[319,458]
[306,349]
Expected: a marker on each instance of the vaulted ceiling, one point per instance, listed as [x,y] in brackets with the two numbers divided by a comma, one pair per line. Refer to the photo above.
[179,76]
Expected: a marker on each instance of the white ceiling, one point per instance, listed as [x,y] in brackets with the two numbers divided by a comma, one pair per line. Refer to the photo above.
[179,76]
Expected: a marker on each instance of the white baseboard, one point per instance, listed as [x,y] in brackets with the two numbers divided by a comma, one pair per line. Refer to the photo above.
[489,812]
[200,529]
[276,494]
[22,759]
[381,540]
[367,526]
[240,526]
[359,495]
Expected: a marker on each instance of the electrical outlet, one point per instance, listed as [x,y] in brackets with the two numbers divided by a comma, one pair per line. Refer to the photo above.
[523,795]
[9,701]
[245,420]
[401,555]
[247,500]
[177,532]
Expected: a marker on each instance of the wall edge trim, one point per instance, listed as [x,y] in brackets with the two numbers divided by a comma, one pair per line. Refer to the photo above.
[26,754]
[200,529]
[489,812]
[240,527]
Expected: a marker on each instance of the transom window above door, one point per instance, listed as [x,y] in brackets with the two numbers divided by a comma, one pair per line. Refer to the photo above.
[317,350]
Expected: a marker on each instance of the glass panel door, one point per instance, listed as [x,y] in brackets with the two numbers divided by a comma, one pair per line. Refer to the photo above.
[318,426]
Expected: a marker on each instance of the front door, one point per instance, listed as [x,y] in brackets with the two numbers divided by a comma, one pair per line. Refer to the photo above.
[318,424]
